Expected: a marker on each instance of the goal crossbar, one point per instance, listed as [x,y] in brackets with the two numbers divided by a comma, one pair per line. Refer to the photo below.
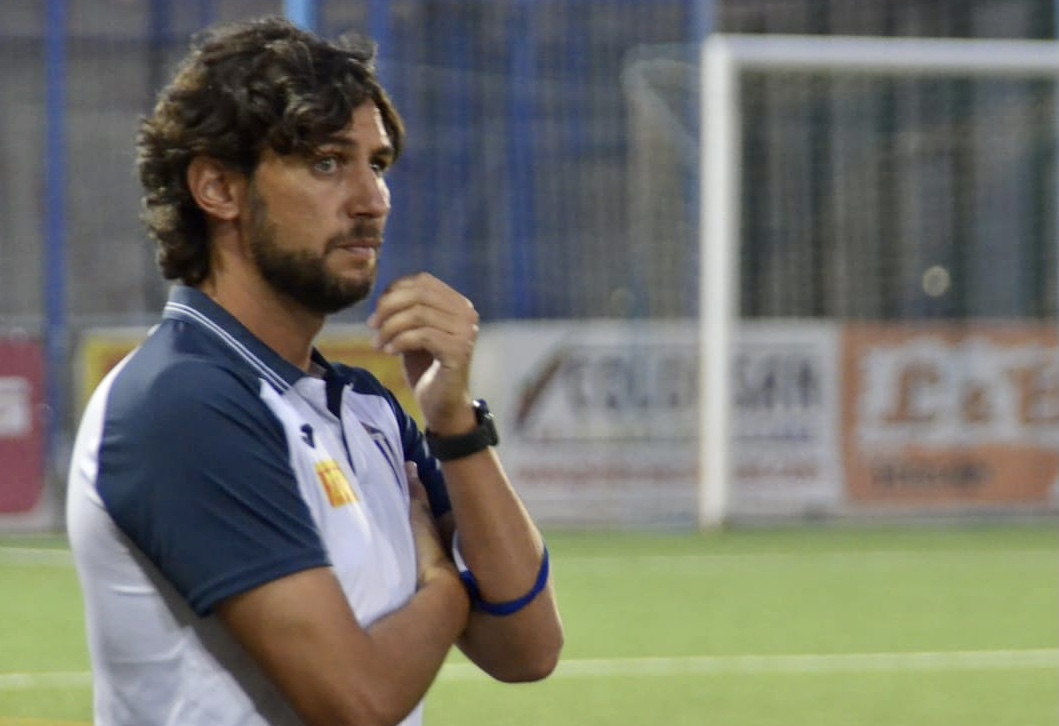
[882,56]
[723,59]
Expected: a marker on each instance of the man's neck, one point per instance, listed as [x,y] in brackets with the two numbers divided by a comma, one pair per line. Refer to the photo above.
[280,323]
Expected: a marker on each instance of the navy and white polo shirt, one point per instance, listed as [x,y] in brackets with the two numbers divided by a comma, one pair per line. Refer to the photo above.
[206,465]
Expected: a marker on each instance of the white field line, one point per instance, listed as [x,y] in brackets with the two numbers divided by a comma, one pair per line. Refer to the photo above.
[35,557]
[787,664]
[972,660]
[45,557]
[606,562]
[31,681]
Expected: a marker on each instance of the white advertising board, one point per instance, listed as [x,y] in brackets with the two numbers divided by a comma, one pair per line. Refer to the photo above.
[599,419]
[785,427]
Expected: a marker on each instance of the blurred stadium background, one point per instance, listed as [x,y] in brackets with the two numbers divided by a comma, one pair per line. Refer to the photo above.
[897,257]
[895,365]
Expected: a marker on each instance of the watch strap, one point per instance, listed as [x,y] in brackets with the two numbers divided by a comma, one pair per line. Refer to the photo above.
[481,437]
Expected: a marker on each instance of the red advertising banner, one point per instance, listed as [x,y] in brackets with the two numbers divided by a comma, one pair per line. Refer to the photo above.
[21,425]
[951,415]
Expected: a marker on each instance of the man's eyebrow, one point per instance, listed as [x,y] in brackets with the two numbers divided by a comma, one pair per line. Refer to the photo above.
[344,143]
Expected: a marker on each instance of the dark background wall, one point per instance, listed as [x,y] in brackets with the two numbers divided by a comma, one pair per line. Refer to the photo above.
[552,164]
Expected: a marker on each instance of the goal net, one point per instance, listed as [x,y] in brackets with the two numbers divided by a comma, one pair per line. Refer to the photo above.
[876,234]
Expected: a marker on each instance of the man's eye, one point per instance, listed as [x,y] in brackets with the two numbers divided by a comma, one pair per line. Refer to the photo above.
[326,164]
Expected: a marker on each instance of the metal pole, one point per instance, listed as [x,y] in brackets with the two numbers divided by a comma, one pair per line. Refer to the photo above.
[520,146]
[158,22]
[1055,95]
[379,28]
[303,13]
[711,494]
[54,256]
[718,264]
[704,19]
[207,12]
[703,24]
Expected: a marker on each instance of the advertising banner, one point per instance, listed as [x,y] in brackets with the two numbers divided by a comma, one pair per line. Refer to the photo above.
[22,446]
[599,419]
[103,348]
[951,415]
[785,419]
[99,350]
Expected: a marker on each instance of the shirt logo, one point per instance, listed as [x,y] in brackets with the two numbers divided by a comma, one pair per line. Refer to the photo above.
[307,435]
[334,482]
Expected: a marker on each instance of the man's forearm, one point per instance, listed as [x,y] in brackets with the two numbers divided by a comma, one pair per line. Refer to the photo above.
[302,632]
[504,551]
[498,539]
[411,644]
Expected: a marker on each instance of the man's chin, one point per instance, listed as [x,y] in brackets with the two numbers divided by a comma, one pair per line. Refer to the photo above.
[340,298]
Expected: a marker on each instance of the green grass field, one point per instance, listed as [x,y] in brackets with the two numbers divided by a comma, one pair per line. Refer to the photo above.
[793,627]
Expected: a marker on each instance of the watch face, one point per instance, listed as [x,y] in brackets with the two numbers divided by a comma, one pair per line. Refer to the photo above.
[486,421]
[490,425]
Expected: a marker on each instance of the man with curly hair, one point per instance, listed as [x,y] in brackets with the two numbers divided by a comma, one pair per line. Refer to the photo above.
[262,536]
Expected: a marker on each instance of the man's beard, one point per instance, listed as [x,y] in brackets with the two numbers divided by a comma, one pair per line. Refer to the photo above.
[299,274]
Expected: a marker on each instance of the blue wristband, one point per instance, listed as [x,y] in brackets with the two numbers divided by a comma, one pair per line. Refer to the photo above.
[511,606]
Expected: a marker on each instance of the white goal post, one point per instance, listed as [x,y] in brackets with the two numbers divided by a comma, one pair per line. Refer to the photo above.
[723,59]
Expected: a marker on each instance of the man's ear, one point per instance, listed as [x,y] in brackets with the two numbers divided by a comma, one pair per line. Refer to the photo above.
[216,188]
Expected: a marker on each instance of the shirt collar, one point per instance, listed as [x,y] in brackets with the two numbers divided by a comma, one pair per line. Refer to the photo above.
[194,306]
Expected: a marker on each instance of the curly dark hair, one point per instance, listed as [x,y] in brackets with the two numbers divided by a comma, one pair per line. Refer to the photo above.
[242,89]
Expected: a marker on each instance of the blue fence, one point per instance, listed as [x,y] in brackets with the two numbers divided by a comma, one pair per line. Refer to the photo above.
[520,181]
[514,170]
[551,164]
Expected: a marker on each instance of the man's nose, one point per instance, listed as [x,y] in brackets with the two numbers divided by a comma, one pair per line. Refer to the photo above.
[369,195]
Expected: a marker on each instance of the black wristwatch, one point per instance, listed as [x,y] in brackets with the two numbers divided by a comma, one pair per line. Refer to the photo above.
[484,435]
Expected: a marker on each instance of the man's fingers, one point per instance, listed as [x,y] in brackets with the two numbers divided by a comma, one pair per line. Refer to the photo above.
[417,281]
[411,471]
[438,339]
[422,316]
[421,313]
[417,492]
[420,291]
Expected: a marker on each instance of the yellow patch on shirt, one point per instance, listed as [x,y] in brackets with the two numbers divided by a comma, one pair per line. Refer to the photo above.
[334,482]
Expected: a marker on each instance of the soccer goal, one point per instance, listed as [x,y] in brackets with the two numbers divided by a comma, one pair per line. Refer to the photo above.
[953,217]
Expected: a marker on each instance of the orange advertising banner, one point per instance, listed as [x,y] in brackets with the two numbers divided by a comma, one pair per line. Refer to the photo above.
[951,415]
